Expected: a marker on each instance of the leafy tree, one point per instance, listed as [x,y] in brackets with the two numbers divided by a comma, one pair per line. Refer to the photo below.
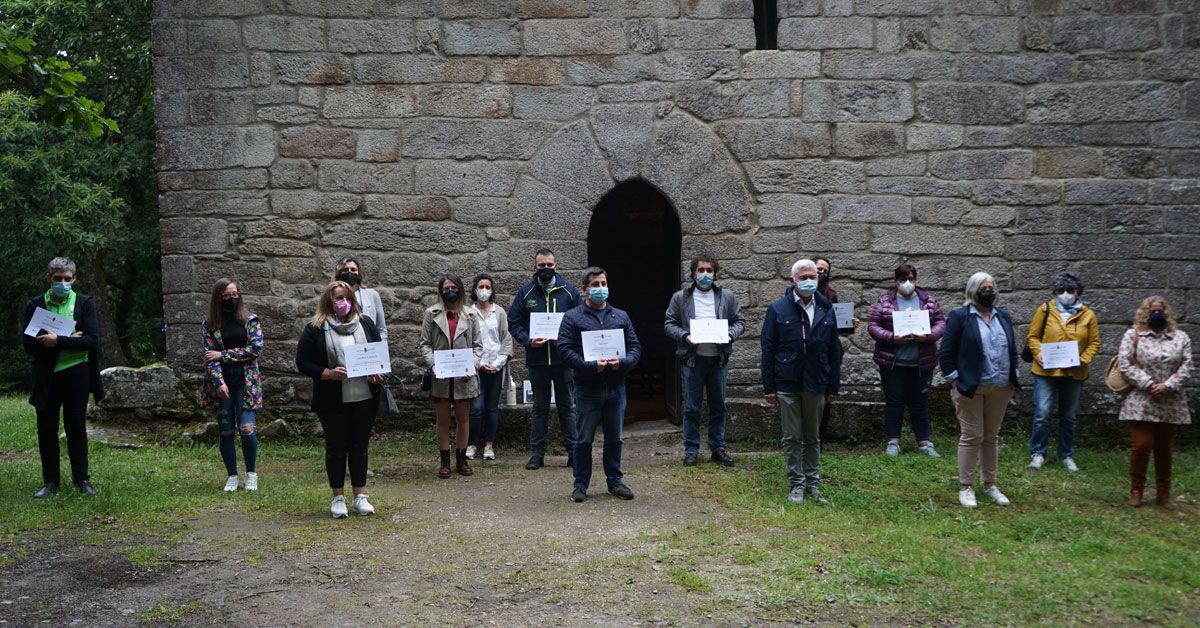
[77,166]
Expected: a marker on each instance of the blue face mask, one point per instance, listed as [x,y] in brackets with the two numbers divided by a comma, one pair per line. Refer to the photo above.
[704,280]
[806,287]
[60,288]
[598,295]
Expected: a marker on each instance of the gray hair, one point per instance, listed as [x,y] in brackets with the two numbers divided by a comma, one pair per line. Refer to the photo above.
[804,264]
[60,263]
[1067,281]
[973,284]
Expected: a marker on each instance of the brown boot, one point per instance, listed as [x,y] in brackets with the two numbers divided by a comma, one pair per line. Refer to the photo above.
[1135,499]
[1163,498]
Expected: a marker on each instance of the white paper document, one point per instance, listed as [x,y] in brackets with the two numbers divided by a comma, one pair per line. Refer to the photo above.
[910,322]
[453,363]
[545,325]
[1060,355]
[845,315]
[714,330]
[528,392]
[603,344]
[45,319]
[368,359]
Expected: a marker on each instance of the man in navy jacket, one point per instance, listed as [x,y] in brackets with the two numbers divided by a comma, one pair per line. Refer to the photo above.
[801,372]
[545,292]
[599,384]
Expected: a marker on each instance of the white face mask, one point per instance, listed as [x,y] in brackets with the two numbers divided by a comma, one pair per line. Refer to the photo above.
[907,288]
[1066,299]
[483,294]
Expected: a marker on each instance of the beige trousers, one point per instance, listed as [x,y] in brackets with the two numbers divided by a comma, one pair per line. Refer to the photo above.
[979,420]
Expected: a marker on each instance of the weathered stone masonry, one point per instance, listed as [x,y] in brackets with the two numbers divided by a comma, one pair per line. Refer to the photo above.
[1020,137]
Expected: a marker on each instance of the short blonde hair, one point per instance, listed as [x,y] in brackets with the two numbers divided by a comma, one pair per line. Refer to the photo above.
[1143,313]
[325,303]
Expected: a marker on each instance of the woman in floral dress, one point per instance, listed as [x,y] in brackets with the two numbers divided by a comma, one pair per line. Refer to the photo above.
[1156,358]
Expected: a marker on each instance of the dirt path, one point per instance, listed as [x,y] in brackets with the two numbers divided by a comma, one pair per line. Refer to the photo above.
[505,547]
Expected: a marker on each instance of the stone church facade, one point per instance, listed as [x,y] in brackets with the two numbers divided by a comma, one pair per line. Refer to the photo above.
[1018,137]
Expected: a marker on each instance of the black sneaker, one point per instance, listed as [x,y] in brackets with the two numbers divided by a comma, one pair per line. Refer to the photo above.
[579,494]
[621,491]
[814,494]
[690,459]
[86,487]
[48,489]
[535,462]
[720,457]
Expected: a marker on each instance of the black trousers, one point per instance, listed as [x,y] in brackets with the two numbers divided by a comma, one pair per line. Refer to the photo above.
[68,394]
[347,433]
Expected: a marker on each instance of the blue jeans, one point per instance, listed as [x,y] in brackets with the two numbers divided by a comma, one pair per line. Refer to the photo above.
[604,405]
[540,380]
[904,386]
[706,377]
[1044,391]
[231,409]
[485,410]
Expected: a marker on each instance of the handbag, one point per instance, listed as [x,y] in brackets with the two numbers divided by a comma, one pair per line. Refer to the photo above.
[1113,378]
[386,402]
[427,381]
[1027,353]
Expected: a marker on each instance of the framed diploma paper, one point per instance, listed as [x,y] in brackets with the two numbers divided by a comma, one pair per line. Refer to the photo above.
[845,315]
[368,359]
[453,363]
[604,344]
[51,322]
[1060,355]
[713,330]
[545,325]
[910,322]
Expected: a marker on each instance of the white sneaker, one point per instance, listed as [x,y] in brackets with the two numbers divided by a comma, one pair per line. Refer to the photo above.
[470,452]
[1037,461]
[489,453]
[362,506]
[231,484]
[928,450]
[966,497]
[997,496]
[251,481]
[338,508]
[893,448]
[797,495]
[1069,463]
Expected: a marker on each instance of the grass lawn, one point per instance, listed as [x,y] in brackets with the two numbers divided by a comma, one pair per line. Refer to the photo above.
[894,547]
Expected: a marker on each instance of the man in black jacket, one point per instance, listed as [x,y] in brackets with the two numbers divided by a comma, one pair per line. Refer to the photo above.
[66,369]
[704,365]
[599,382]
[547,291]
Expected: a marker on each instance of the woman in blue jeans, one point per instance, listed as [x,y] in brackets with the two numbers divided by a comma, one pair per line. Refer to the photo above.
[497,349]
[1063,318]
[906,363]
[233,340]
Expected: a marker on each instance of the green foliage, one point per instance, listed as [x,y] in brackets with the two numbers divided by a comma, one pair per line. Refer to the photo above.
[69,183]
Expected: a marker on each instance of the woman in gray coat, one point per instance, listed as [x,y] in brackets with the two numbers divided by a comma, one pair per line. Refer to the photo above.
[349,271]
[452,324]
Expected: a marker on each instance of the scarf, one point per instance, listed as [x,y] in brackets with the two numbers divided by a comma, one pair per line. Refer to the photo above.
[334,351]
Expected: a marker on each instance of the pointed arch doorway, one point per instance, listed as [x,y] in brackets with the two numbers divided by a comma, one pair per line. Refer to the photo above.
[635,235]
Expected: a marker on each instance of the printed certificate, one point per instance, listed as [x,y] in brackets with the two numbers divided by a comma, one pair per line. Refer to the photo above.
[51,322]
[368,359]
[453,363]
[713,330]
[1060,355]
[603,344]
[910,322]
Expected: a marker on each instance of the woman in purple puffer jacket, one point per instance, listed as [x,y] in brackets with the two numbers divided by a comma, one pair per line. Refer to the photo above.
[906,363]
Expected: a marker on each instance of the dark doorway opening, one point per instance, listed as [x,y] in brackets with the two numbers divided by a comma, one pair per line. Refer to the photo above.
[635,235]
[766,24]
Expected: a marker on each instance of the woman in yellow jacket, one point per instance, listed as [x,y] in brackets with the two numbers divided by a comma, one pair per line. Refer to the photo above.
[1061,319]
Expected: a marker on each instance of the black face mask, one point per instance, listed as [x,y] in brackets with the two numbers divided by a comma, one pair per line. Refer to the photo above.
[349,277]
[986,298]
[822,278]
[545,275]
[450,296]
[229,305]
[1157,321]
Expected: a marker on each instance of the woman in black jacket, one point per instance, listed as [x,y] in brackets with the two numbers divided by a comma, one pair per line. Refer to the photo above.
[345,405]
[66,369]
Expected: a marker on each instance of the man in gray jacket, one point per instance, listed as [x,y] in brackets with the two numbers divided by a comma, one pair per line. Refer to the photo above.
[704,365]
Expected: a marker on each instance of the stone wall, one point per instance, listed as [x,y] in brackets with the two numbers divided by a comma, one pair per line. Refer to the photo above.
[1020,137]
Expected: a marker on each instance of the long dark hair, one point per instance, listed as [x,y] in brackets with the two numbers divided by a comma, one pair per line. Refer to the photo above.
[341,265]
[827,289]
[462,292]
[215,314]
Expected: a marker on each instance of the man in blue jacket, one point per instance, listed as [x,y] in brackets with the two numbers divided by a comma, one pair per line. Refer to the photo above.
[547,291]
[599,383]
[801,372]
[704,366]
